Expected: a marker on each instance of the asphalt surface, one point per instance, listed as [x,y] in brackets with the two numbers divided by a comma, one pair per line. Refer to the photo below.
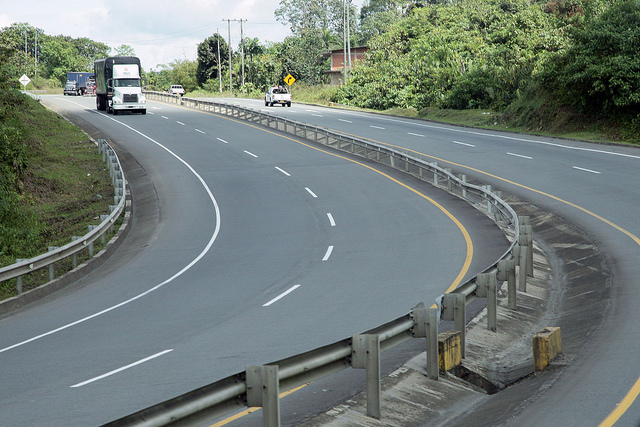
[226,218]
[589,187]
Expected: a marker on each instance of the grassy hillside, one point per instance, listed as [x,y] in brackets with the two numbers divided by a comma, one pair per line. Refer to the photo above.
[53,183]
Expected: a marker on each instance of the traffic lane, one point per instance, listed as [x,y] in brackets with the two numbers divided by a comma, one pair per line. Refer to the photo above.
[612,202]
[94,332]
[181,244]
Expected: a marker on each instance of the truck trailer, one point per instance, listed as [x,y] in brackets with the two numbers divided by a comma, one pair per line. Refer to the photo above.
[77,83]
[118,85]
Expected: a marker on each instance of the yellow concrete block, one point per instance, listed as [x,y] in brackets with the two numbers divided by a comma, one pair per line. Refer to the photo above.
[449,350]
[547,344]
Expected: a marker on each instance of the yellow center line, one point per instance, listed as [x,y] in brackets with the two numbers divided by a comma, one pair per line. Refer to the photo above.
[633,393]
[467,238]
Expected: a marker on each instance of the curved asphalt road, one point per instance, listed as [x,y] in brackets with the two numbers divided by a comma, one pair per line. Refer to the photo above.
[597,188]
[246,247]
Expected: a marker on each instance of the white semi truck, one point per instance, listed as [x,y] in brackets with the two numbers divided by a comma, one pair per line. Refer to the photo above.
[118,85]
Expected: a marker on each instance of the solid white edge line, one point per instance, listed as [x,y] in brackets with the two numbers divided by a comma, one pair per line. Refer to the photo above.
[283,171]
[282,295]
[331,220]
[115,371]
[311,192]
[213,238]
[328,254]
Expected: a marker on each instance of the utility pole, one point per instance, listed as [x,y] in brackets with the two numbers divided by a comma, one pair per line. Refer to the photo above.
[219,69]
[349,33]
[35,55]
[344,41]
[229,33]
[241,50]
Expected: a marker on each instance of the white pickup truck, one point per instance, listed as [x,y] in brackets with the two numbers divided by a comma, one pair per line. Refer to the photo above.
[277,95]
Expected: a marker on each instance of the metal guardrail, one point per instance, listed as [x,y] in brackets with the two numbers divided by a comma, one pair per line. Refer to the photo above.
[260,385]
[26,266]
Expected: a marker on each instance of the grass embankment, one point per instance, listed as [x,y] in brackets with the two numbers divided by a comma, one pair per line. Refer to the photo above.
[53,184]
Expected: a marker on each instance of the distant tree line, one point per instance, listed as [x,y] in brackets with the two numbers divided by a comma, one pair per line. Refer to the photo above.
[460,54]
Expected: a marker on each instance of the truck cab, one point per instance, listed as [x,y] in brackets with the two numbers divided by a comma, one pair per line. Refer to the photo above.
[119,86]
[71,88]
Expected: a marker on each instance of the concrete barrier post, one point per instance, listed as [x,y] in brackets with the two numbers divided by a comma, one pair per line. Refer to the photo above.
[449,350]
[547,344]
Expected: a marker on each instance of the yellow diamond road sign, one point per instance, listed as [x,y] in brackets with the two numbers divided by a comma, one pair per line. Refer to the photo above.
[289,79]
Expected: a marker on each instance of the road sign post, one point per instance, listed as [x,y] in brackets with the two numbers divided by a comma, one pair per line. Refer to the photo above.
[24,80]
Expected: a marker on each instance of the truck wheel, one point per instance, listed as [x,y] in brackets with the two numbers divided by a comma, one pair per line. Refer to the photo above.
[266,104]
[115,112]
[271,104]
[143,111]
[288,104]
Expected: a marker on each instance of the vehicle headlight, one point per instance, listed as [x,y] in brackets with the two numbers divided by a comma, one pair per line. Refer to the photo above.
[116,100]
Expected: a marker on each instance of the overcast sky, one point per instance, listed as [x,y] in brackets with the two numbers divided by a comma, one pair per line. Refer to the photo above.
[160,31]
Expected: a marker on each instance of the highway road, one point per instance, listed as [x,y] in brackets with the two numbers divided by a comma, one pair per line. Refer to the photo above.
[246,246]
[593,186]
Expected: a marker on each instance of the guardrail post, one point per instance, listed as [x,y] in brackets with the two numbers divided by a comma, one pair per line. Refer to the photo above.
[454,308]
[460,320]
[91,227]
[523,256]
[52,273]
[19,278]
[263,389]
[426,326]
[492,303]
[74,257]
[526,239]
[463,178]
[433,370]
[487,188]
[486,288]
[365,354]
[507,272]
[435,174]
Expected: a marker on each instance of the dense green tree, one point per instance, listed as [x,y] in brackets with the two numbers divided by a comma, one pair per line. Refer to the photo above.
[601,69]
[124,50]
[304,16]
[467,54]
[207,67]
[302,58]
